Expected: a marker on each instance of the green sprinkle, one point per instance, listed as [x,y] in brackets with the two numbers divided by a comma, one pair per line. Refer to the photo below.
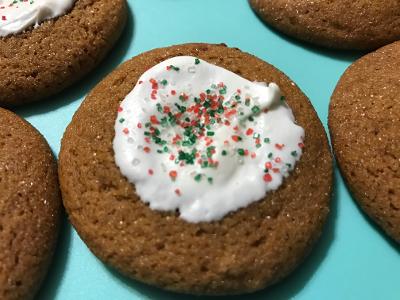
[159,107]
[174,68]
[224,152]
[204,164]
[159,151]
[283,98]
[266,140]
[240,151]
[258,145]
[255,109]
[256,136]
[210,180]
[197,177]
[237,97]
[196,61]
[164,82]
[289,165]
[122,120]
[270,155]
[210,133]
[165,149]
[293,153]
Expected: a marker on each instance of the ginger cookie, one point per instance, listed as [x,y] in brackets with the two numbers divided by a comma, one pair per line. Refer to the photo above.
[364,122]
[176,170]
[338,24]
[47,46]
[30,206]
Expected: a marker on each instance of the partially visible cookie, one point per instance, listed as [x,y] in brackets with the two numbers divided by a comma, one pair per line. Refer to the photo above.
[246,250]
[364,122]
[43,60]
[339,24]
[30,207]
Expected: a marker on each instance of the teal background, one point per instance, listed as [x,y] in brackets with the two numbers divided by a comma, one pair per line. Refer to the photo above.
[353,260]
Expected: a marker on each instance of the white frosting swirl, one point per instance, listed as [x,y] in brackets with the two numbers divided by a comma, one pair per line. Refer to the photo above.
[17,15]
[198,138]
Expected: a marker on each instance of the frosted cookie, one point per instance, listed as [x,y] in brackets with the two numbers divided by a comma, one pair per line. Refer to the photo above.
[46,45]
[197,168]
[338,24]
[30,207]
[364,122]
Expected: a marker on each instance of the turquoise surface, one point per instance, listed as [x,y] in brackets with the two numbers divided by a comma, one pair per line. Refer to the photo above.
[353,260]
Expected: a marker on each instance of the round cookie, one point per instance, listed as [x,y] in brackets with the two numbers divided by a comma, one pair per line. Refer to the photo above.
[364,122]
[44,60]
[338,24]
[245,251]
[30,206]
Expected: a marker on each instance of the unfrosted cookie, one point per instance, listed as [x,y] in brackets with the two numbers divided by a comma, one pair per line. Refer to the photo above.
[339,24]
[44,59]
[242,251]
[364,122]
[30,206]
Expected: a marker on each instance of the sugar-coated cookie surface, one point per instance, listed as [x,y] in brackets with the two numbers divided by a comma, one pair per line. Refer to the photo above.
[44,59]
[339,24]
[30,207]
[246,250]
[364,122]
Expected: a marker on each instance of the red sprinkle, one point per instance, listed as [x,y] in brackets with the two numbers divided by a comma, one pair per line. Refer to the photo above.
[154,84]
[153,95]
[267,177]
[178,192]
[120,109]
[173,92]
[4,18]
[279,146]
[146,149]
[268,165]
[235,138]
[154,120]
[173,174]
[275,170]
[249,131]
[167,109]
[151,172]
[139,125]
[278,160]
[125,130]
[301,145]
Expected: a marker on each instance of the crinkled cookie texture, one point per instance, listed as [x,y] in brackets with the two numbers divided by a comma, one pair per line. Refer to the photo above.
[43,61]
[245,251]
[364,122]
[339,24]
[30,206]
